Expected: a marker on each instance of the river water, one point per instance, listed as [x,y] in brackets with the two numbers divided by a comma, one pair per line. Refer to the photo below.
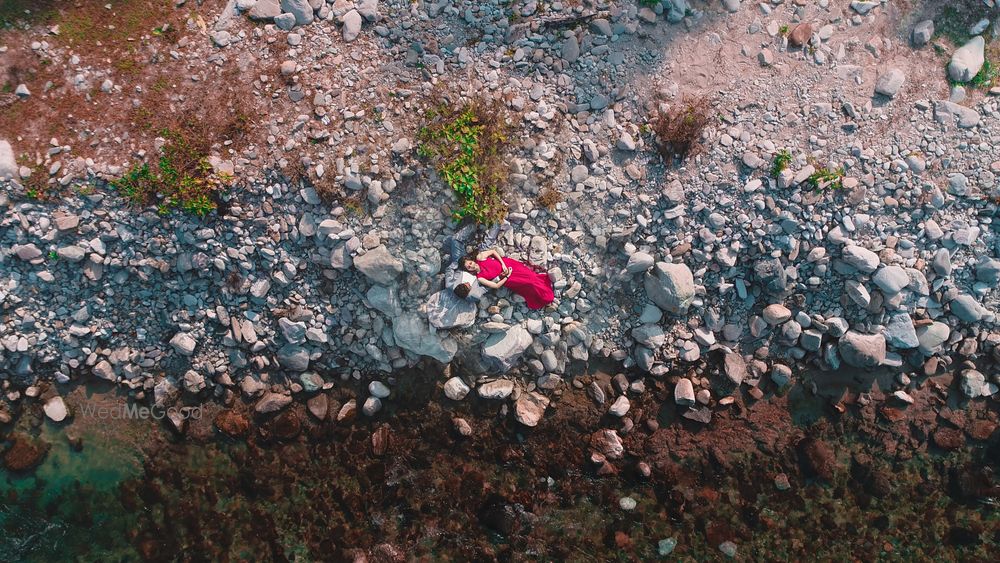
[784,479]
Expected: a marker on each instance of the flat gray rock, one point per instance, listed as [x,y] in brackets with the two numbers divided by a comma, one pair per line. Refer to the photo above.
[671,287]
[862,350]
[379,265]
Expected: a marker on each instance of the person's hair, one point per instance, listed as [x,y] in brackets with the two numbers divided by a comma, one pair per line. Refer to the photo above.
[467,258]
[462,290]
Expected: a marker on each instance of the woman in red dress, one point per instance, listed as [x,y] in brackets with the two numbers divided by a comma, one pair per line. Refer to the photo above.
[495,271]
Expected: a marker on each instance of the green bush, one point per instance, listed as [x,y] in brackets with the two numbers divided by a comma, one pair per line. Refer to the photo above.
[467,146]
[182,178]
[781,162]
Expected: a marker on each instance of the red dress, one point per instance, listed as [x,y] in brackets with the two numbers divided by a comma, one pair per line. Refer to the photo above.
[536,288]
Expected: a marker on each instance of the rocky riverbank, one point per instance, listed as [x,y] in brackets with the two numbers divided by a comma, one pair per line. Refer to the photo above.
[832,226]
[840,211]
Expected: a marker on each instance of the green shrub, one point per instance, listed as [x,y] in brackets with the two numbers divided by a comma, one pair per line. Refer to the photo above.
[781,162]
[182,178]
[467,146]
[824,178]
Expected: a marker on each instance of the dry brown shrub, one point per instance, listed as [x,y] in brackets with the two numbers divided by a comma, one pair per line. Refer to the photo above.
[550,197]
[678,130]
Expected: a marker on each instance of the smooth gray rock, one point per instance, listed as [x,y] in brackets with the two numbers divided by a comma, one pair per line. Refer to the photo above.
[504,349]
[639,262]
[352,25]
[891,279]
[890,82]
[862,259]
[8,163]
[671,287]
[447,310]
[862,350]
[932,337]
[942,262]
[379,265]
[967,60]
[265,10]
[571,49]
[301,9]
[967,309]
[900,334]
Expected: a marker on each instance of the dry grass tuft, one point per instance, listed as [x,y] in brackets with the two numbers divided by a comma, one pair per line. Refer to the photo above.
[678,130]
[550,197]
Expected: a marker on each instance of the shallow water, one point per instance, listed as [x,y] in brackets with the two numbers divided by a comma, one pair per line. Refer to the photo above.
[505,493]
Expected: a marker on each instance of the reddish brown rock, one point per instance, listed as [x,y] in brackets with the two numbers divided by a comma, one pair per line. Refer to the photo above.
[800,35]
[818,458]
[380,440]
[232,424]
[949,438]
[25,453]
[982,429]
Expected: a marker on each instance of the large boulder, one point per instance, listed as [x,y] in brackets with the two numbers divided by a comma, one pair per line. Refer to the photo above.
[385,300]
[899,333]
[967,309]
[414,334]
[932,337]
[967,60]
[293,357]
[862,350]
[503,349]
[379,265]
[671,287]
[301,9]
[8,164]
[447,310]
[265,10]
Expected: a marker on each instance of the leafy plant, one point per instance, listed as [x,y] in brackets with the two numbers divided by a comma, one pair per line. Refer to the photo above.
[824,178]
[182,178]
[986,76]
[783,30]
[781,162]
[467,147]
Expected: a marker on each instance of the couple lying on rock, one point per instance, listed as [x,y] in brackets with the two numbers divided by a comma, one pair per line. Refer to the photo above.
[468,275]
